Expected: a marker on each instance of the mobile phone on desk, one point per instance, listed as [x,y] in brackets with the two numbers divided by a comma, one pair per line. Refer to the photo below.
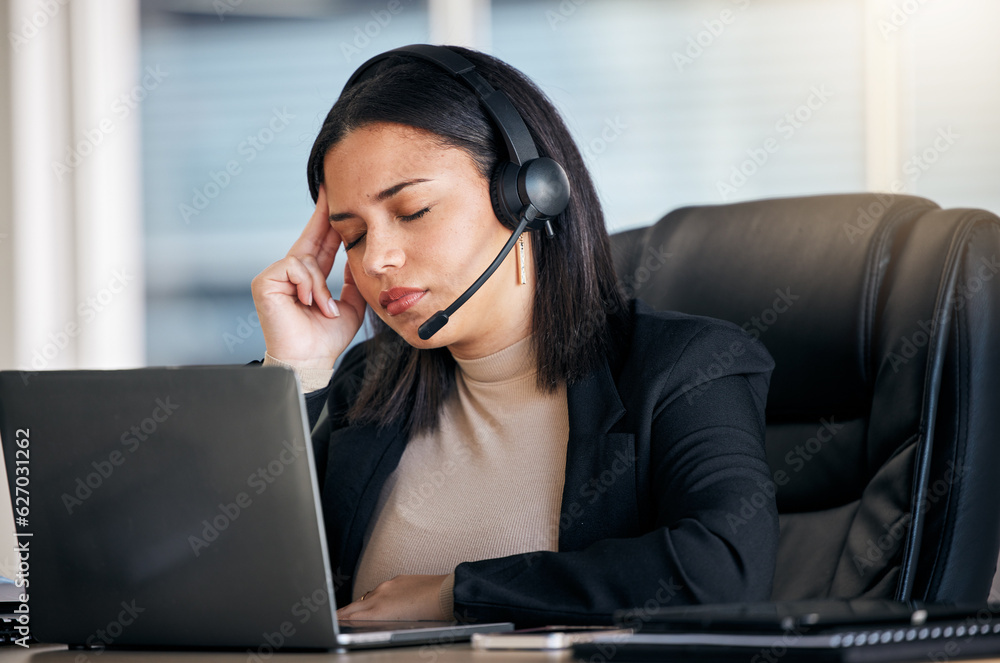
[545,637]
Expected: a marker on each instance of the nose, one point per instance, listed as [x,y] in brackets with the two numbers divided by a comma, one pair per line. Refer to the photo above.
[383,250]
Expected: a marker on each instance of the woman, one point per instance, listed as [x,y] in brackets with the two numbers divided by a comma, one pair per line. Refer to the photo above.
[542,458]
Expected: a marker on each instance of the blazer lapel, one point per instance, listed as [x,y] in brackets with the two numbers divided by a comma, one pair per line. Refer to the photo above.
[360,460]
[599,494]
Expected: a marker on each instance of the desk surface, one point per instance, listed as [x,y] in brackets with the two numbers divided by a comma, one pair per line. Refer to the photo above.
[426,653]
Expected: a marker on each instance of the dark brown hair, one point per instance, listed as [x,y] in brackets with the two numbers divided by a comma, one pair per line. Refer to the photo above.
[576,288]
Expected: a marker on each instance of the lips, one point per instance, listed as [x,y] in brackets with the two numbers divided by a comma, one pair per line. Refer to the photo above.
[397,300]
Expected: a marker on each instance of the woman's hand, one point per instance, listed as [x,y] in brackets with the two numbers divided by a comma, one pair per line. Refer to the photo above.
[410,597]
[302,324]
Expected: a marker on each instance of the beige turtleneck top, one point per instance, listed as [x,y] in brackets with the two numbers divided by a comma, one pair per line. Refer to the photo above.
[486,483]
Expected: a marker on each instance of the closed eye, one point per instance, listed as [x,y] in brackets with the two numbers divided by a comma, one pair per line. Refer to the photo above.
[407,217]
[415,215]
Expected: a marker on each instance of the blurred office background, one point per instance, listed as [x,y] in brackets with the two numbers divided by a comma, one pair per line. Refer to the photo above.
[152,152]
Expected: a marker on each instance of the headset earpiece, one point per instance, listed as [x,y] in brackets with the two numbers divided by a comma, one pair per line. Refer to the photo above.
[539,189]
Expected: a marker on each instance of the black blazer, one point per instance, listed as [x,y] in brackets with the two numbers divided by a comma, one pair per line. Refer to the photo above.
[668,497]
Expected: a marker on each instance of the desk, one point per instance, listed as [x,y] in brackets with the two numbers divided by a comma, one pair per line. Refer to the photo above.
[451,653]
[425,653]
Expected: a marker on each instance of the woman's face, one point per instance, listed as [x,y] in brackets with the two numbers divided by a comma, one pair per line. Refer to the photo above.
[416,220]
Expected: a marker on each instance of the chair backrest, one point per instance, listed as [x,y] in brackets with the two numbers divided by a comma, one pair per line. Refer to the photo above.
[882,313]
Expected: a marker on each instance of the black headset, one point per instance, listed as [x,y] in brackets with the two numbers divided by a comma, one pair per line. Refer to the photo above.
[527,190]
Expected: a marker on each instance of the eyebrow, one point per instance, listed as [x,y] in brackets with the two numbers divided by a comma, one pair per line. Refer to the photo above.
[382,196]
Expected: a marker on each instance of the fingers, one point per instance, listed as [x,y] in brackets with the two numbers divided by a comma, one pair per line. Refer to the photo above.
[349,275]
[363,607]
[309,283]
[314,235]
[320,292]
[318,238]
[357,609]
[328,248]
[302,279]
[298,275]
[349,610]
[309,261]
[350,295]
[402,597]
[330,243]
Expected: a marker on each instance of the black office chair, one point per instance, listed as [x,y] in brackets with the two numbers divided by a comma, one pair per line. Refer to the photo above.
[882,313]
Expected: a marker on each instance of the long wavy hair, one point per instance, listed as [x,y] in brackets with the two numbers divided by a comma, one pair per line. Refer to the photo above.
[576,292]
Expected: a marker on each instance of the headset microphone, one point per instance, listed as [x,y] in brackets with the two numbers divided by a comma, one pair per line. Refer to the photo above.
[547,201]
[440,319]
[526,190]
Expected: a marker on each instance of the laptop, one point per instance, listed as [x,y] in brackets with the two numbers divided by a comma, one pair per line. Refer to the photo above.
[9,626]
[178,508]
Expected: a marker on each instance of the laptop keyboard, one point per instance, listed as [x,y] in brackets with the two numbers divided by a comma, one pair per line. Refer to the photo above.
[368,626]
[7,632]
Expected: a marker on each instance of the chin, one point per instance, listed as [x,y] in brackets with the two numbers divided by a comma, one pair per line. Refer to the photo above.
[438,340]
[409,331]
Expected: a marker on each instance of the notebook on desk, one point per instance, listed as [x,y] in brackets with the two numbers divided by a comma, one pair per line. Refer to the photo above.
[835,631]
[178,507]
